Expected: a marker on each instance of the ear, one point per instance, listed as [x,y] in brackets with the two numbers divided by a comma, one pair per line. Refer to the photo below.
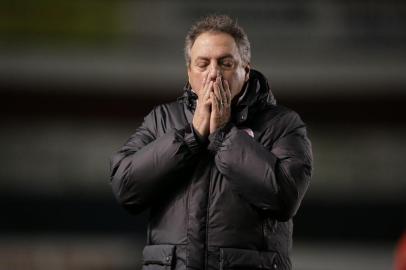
[247,72]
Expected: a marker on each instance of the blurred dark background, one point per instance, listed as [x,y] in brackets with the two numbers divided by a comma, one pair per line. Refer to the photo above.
[77,78]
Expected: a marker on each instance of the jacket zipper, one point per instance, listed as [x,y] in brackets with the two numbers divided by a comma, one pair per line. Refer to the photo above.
[206,252]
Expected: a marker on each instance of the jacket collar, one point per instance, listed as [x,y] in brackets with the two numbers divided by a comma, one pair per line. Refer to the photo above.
[257,94]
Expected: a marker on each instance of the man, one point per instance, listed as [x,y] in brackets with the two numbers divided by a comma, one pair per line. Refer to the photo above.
[223,169]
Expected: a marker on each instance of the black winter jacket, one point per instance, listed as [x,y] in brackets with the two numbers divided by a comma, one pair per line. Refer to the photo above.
[226,203]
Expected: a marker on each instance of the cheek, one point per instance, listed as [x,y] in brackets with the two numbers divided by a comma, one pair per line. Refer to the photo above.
[236,83]
[196,80]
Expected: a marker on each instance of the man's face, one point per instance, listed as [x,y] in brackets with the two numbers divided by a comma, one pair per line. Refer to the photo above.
[214,52]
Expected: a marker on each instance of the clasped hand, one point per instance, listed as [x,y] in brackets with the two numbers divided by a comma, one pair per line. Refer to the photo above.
[213,108]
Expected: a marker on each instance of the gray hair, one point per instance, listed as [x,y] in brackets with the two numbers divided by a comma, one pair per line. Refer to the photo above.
[222,24]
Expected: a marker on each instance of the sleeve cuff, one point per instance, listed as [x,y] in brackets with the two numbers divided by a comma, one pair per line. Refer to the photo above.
[202,140]
[217,137]
[193,140]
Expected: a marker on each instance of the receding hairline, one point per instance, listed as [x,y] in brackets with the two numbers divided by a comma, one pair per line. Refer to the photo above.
[215,32]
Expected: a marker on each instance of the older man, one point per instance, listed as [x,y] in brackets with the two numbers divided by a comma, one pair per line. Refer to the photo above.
[223,169]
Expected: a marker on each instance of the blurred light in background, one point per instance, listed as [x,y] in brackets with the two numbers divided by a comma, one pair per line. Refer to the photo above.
[76,79]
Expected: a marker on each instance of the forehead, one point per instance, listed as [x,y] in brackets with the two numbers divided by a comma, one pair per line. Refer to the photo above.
[214,45]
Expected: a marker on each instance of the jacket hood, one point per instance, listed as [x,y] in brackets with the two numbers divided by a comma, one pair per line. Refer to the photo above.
[258,94]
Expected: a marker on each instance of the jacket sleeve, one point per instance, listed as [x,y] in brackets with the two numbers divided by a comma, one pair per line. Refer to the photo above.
[273,180]
[145,165]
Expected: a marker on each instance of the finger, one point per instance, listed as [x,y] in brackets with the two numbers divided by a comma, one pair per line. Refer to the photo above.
[205,83]
[215,103]
[217,93]
[205,79]
[223,92]
[208,89]
[216,88]
[227,91]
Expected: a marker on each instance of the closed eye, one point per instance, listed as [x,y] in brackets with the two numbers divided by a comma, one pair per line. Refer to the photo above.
[202,64]
[227,64]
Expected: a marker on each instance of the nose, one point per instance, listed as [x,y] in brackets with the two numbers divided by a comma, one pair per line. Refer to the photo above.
[214,72]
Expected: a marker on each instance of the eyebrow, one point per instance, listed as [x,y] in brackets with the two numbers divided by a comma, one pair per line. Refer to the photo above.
[221,58]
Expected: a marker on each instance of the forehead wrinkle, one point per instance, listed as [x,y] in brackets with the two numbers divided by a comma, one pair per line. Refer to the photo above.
[207,45]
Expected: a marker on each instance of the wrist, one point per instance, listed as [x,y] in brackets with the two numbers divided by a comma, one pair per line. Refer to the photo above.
[200,136]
